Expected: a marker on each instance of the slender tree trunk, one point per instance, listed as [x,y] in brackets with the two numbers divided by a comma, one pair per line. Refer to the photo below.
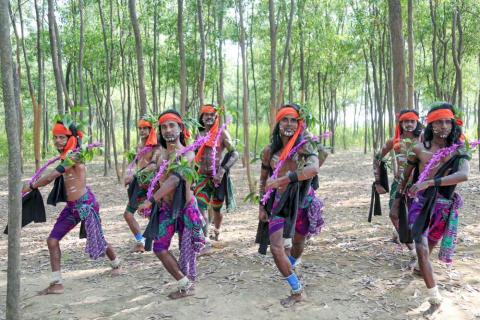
[396,36]
[139,52]
[302,54]
[80,58]
[411,60]
[252,60]
[273,62]
[54,54]
[183,63]
[221,97]
[433,17]
[13,310]
[280,98]
[38,115]
[457,48]
[154,66]
[203,54]
[246,120]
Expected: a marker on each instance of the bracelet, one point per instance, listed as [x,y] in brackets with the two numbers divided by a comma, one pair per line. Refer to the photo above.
[30,185]
[437,181]
[399,195]
[152,199]
[292,176]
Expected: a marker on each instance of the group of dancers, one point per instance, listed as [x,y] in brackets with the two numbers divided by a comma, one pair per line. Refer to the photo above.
[181,184]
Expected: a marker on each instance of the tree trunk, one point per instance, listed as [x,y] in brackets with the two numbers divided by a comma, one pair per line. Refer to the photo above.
[54,54]
[396,36]
[246,120]
[203,54]
[252,61]
[37,122]
[139,52]
[457,48]
[433,17]
[80,59]
[411,60]
[286,50]
[14,171]
[183,63]
[273,62]
[221,97]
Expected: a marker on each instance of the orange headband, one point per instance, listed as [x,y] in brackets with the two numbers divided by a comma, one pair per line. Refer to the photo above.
[173,117]
[152,136]
[288,111]
[440,114]
[207,109]
[60,129]
[282,113]
[409,116]
[144,124]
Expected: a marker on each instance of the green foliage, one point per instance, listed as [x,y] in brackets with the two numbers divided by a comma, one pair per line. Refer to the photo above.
[184,168]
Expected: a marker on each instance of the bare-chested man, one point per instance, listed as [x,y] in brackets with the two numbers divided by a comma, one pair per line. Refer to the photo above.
[146,159]
[293,210]
[212,189]
[408,127]
[175,208]
[81,205]
[433,215]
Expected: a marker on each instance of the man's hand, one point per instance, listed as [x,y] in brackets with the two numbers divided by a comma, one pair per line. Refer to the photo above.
[417,187]
[147,204]
[26,188]
[379,188]
[128,179]
[277,183]
[217,179]
[262,214]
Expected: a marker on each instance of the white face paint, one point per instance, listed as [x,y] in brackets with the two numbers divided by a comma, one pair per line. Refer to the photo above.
[288,126]
[170,131]
[442,128]
[208,118]
[409,125]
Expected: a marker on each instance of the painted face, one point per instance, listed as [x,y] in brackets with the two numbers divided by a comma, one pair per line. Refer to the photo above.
[144,132]
[170,131]
[409,125]
[60,141]
[442,127]
[288,126]
[208,118]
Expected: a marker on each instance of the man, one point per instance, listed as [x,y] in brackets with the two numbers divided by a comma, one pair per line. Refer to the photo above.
[175,207]
[70,182]
[408,127]
[293,209]
[433,214]
[212,189]
[146,159]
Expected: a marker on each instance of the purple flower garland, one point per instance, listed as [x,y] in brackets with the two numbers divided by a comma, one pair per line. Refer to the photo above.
[214,148]
[280,163]
[139,154]
[163,167]
[439,156]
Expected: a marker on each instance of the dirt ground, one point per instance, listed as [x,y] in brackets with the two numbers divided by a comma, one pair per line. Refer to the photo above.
[351,270]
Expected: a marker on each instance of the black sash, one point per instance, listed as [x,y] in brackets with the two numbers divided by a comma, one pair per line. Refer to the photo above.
[33,209]
[375,206]
[58,193]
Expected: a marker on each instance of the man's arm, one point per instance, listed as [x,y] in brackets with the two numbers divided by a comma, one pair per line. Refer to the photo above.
[44,180]
[227,142]
[412,161]
[452,179]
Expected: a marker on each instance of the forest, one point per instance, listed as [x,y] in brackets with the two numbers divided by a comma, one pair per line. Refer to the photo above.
[353,64]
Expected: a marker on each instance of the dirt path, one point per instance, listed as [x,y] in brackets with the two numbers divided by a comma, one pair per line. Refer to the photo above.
[351,270]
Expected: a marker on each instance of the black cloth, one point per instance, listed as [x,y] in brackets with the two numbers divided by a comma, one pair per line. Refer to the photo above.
[375,205]
[58,193]
[33,209]
[430,194]
[404,231]
[179,202]
[132,192]
[222,192]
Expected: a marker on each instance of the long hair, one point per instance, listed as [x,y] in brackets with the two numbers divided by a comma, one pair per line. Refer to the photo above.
[454,135]
[418,129]
[276,143]
[201,127]
[162,140]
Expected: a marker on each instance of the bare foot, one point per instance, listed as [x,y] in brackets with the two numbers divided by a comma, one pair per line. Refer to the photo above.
[53,288]
[395,237]
[116,272]
[293,299]
[139,248]
[434,308]
[417,272]
[412,263]
[215,235]
[207,250]
[182,293]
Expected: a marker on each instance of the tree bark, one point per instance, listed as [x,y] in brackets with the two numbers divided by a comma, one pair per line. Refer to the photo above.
[273,62]
[80,59]
[411,60]
[457,48]
[280,97]
[203,54]
[139,52]
[220,95]
[54,54]
[396,36]
[246,120]
[13,310]
[37,125]
[183,63]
